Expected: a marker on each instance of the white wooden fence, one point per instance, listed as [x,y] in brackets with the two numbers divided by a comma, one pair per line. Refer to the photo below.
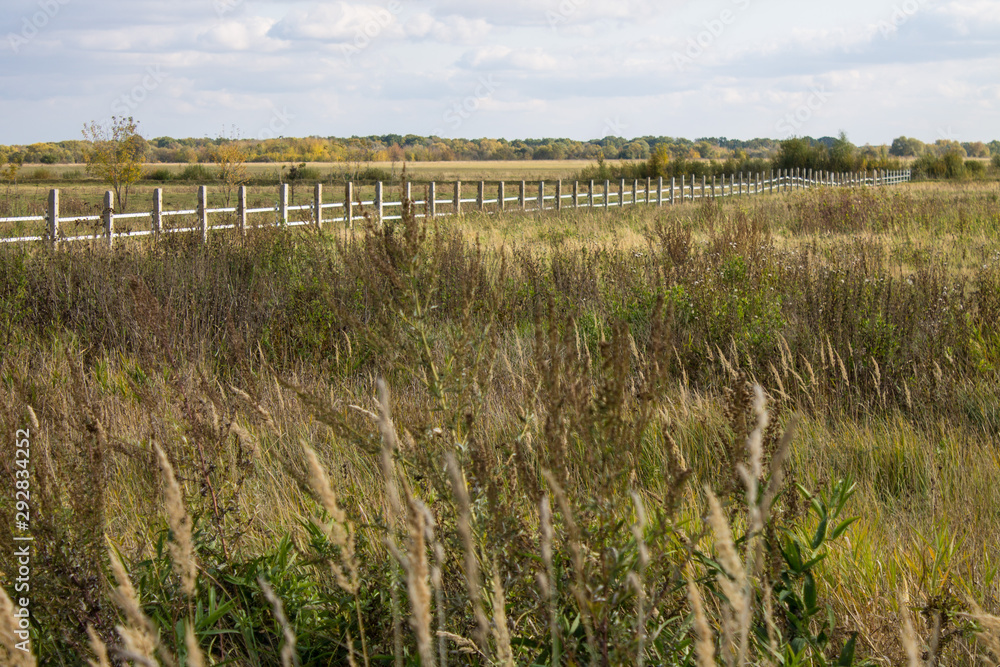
[353,208]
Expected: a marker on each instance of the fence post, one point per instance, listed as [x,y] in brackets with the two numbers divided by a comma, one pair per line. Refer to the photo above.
[541,196]
[607,191]
[501,204]
[53,217]
[241,208]
[559,195]
[283,204]
[692,188]
[649,187]
[458,198]
[590,194]
[621,192]
[713,186]
[157,218]
[481,195]
[318,205]
[683,187]
[659,191]
[522,198]
[203,212]
[432,199]
[379,203]
[109,217]
[349,204]
[673,186]
[703,195]
[576,194]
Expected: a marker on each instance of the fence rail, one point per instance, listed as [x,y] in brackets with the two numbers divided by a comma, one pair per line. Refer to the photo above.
[353,207]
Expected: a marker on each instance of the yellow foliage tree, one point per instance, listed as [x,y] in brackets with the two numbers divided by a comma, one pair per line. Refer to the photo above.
[231,159]
[116,154]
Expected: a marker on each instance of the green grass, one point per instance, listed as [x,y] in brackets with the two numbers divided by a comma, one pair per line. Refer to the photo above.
[587,358]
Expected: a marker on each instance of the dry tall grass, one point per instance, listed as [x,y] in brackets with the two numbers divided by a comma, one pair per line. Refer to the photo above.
[574,419]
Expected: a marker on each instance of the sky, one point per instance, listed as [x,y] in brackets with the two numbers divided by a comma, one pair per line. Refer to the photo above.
[581,69]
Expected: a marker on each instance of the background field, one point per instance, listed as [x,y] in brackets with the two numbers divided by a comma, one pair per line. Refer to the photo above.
[601,364]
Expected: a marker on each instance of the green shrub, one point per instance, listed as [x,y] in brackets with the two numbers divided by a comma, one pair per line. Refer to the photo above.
[159,174]
[198,173]
[301,172]
[975,168]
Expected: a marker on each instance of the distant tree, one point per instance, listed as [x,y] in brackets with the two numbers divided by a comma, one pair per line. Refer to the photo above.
[10,167]
[230,156]
[635,150]
[994,147]
[842,154]
[659,162]
[944,147]
[906,147]
[976,149]
[799,152]
[116,154]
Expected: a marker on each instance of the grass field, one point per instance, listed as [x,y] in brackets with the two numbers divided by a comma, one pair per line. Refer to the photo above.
[81,195]
[422,171]
[520,439]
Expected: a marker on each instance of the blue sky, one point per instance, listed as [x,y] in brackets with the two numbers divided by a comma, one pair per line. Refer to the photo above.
[583,69]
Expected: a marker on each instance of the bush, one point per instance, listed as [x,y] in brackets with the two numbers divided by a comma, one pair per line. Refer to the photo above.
[301,172]
[196,172]
[954,165]
[975,168]
[951,165]
[159,174]
[365,175]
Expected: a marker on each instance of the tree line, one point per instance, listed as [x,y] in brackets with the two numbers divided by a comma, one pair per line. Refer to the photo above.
[415,148]
[117,154]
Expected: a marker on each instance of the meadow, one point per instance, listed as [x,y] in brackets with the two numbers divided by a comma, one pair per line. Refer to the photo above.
[744,431]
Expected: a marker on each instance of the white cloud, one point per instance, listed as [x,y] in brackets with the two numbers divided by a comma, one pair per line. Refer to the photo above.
[579,61]
[342,22]
[242,35]
[450,29]
[503,57]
